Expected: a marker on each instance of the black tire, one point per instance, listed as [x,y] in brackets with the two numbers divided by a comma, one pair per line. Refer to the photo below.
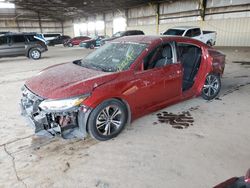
[92,46]
[102,128]
[211,87]
[209,43]
[34,54]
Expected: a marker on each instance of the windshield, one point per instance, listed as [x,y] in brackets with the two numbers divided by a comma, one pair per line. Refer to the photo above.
[174,32]
[113,57]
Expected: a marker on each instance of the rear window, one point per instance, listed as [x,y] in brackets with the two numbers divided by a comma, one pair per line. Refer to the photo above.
[139,33]
[51,35]
[18,38]
[177,32]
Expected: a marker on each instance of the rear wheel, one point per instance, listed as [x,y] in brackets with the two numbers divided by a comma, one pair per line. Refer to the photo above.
[107,120]
[209,43]
[211,87]
[34,54]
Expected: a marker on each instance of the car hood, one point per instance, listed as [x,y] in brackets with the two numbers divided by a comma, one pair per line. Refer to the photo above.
[67,80]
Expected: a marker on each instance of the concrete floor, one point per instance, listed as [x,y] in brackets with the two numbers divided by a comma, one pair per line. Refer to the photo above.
[146,154]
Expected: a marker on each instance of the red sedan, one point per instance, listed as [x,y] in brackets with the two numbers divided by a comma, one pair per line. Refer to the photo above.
[121,81]
[76,41]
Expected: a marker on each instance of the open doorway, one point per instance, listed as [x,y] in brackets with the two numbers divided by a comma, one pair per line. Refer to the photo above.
[119,24]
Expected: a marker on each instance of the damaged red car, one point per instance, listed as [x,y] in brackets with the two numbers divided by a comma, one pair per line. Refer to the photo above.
[121,81]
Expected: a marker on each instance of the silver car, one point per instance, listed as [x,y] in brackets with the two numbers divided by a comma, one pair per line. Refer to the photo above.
[21,44]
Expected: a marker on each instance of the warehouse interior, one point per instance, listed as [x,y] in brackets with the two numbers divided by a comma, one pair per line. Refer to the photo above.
[230,18]
[148,153]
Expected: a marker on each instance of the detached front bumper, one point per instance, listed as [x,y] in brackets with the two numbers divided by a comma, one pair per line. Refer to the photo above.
[68,124]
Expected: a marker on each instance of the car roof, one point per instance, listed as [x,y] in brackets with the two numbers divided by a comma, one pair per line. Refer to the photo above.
[133,30]
[11,34]
[148,39]
[184,27]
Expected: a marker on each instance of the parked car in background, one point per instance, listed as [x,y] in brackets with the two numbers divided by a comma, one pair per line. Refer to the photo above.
[59,40]
[122,34]
[75,41]
[21,44]
[119,82]
[236,182]
[50,36]
[207,37]
[92,43]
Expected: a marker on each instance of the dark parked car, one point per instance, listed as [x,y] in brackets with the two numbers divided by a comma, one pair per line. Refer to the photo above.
[76,41]
[92,43]
[59,40]
[119,82]
[21,44]
[236,182]
[122,34]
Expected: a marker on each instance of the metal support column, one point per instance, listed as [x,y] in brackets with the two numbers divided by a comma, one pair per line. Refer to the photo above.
[203,6]
[39,21]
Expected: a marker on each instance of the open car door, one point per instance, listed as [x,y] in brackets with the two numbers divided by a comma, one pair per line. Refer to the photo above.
[195,68]
[160,81]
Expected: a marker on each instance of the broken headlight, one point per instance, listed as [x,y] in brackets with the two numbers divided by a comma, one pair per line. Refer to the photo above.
[62,104]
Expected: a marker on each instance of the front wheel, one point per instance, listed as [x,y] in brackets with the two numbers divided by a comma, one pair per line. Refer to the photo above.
[107,120]
[34,54]
[92,46]
[211,87]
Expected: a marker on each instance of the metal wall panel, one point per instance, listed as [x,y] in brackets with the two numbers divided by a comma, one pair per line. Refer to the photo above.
[223,3]
[178,6]
[233,28]
[143,11]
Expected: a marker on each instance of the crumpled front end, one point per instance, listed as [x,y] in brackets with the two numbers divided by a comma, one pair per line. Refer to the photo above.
[68,124]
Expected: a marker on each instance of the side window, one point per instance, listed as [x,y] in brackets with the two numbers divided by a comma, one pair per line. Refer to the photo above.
[159,57]
[3,40]
[18,38]
[31,38]
[189,33]
[193,32]
[128,33]
[196,32]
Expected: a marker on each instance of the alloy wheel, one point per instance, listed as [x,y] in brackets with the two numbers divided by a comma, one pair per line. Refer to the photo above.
[211,86]
[109,120]
[35,54]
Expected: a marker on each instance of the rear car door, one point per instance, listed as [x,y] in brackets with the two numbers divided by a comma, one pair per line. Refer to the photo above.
[160,81]
[17,43]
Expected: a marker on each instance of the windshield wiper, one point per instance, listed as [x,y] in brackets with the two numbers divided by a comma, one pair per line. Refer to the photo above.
[89,66]
[104,69]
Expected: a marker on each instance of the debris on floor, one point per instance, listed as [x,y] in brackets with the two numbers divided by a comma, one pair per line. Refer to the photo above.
[179,121]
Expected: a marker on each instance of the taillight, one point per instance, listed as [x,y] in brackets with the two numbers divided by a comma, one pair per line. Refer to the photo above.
[247,176]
